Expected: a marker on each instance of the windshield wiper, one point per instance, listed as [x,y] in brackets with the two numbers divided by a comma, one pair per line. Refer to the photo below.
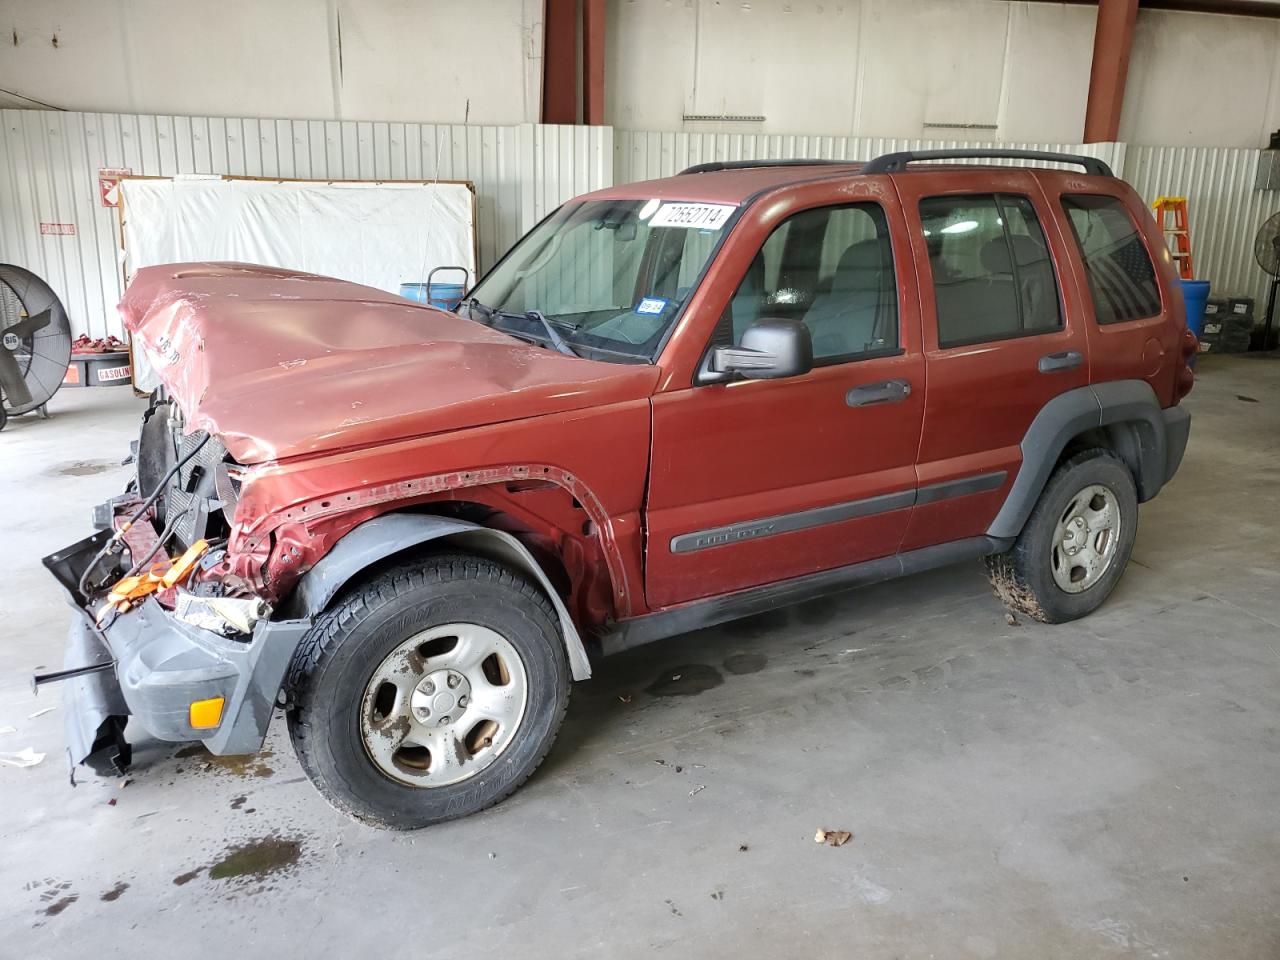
[557,341]
[472,302]
[492,313]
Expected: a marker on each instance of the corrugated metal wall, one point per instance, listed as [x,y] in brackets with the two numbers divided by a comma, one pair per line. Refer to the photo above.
[1223,208]
[49,164]
[643,155]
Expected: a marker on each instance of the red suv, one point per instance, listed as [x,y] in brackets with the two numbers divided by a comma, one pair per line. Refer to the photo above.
[671,404]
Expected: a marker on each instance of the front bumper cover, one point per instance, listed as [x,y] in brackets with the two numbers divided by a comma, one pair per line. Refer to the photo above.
[162,665]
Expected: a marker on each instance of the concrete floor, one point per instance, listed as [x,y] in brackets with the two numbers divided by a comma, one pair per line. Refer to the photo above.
[1107,788]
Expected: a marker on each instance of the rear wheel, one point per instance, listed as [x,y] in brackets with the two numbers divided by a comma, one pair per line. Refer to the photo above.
[428,692]
[1076,543]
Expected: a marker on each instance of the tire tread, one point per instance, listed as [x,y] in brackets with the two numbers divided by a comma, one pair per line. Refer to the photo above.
[346,613]
[1016,576]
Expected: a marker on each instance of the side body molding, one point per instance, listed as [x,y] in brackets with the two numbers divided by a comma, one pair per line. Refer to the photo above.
[1127,411]
[394,533]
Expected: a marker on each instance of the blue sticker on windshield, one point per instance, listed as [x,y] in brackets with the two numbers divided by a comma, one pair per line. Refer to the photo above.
[651,306]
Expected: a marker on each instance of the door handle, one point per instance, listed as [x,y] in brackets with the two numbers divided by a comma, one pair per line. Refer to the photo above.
[1067,360]
[886,391]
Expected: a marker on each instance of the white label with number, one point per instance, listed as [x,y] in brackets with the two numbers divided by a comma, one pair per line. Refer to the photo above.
[692,216]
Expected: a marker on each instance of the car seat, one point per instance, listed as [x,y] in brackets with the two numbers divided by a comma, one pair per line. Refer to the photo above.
[843,320]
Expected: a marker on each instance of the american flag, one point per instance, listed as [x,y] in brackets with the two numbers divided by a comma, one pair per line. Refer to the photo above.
[1122,281]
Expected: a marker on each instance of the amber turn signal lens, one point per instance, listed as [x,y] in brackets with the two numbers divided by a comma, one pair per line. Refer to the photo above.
[206,713]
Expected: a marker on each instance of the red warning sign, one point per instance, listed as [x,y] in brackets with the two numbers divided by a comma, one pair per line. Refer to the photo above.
[108,179]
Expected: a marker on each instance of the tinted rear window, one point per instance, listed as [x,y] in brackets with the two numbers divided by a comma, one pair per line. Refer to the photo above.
[993,278]
[1122,278]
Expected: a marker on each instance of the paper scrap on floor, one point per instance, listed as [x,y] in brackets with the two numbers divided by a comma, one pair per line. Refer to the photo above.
[25,757]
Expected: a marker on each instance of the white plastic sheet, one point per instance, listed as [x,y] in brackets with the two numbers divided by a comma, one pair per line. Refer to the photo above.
[378,234]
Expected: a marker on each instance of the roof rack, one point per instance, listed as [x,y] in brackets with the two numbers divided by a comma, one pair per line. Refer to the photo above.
[718,165]
[897,162]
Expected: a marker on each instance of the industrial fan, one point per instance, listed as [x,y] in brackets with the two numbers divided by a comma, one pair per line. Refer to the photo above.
[35,342]
[1266,250]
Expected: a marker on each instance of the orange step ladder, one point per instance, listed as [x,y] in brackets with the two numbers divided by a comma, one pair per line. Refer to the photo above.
[1177,237]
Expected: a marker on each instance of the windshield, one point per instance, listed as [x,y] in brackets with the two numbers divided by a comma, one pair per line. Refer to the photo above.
[609,276]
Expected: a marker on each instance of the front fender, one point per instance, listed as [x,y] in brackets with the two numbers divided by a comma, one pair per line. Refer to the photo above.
[394,533]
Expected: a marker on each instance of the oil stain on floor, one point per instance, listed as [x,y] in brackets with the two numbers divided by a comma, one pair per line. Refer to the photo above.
[250,861]
[685,681]
[743,663]
[257,858]
[250,765]
[61,904]
[82,468]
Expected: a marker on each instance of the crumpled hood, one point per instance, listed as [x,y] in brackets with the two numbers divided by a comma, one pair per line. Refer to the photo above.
[280,364]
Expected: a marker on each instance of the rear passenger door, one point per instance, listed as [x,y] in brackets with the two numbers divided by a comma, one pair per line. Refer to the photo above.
[1000,338]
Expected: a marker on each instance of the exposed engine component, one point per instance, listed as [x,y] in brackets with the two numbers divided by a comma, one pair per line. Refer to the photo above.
[201,497]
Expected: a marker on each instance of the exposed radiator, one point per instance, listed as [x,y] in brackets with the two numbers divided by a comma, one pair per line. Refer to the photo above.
[190,494]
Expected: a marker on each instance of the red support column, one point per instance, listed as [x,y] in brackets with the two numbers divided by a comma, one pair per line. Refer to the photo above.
[1112,41]
[593,62]
[560,62]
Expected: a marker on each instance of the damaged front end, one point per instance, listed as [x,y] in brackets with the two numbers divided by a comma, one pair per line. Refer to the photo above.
[190,658]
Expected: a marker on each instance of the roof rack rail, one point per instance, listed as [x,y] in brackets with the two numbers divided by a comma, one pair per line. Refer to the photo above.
[897,162]
[717,165]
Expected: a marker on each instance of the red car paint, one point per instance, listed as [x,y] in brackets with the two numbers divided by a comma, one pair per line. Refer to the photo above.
[346,402]
[339,365]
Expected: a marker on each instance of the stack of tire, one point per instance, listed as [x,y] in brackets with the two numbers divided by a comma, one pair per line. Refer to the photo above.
[1228,325]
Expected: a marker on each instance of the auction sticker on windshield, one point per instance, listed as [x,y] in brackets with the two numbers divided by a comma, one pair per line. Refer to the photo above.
[701,216]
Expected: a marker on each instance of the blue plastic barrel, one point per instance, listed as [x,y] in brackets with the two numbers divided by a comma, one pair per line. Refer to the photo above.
[1195,293]
[446,296]
[414,291]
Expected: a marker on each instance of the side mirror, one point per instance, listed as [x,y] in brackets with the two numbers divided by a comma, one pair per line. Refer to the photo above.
[770,350]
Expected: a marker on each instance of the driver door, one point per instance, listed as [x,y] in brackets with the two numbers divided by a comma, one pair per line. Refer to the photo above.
[757,481]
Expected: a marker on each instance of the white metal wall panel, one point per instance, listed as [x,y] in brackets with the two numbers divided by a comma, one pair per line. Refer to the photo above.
[49,164]
[1223,209]
[561,162]
[645,155]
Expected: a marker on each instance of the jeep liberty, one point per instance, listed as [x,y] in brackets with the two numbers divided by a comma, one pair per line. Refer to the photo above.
[671,404]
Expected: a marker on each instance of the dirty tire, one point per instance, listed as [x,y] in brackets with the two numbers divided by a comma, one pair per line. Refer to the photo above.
[334,662]
[1023,577]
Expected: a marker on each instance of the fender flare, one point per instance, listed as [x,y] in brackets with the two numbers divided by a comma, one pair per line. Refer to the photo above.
[1131,416]
[393,533]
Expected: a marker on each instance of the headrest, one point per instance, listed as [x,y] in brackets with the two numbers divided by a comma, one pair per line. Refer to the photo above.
[995,253]
[859,268]
[861,257]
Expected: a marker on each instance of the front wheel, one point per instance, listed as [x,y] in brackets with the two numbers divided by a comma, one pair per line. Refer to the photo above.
[429,691]
[1076,543]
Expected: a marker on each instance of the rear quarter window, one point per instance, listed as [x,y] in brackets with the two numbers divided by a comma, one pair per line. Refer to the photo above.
[1122,278]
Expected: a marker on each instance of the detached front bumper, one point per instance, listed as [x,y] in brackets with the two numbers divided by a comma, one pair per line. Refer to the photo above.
[161,666]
